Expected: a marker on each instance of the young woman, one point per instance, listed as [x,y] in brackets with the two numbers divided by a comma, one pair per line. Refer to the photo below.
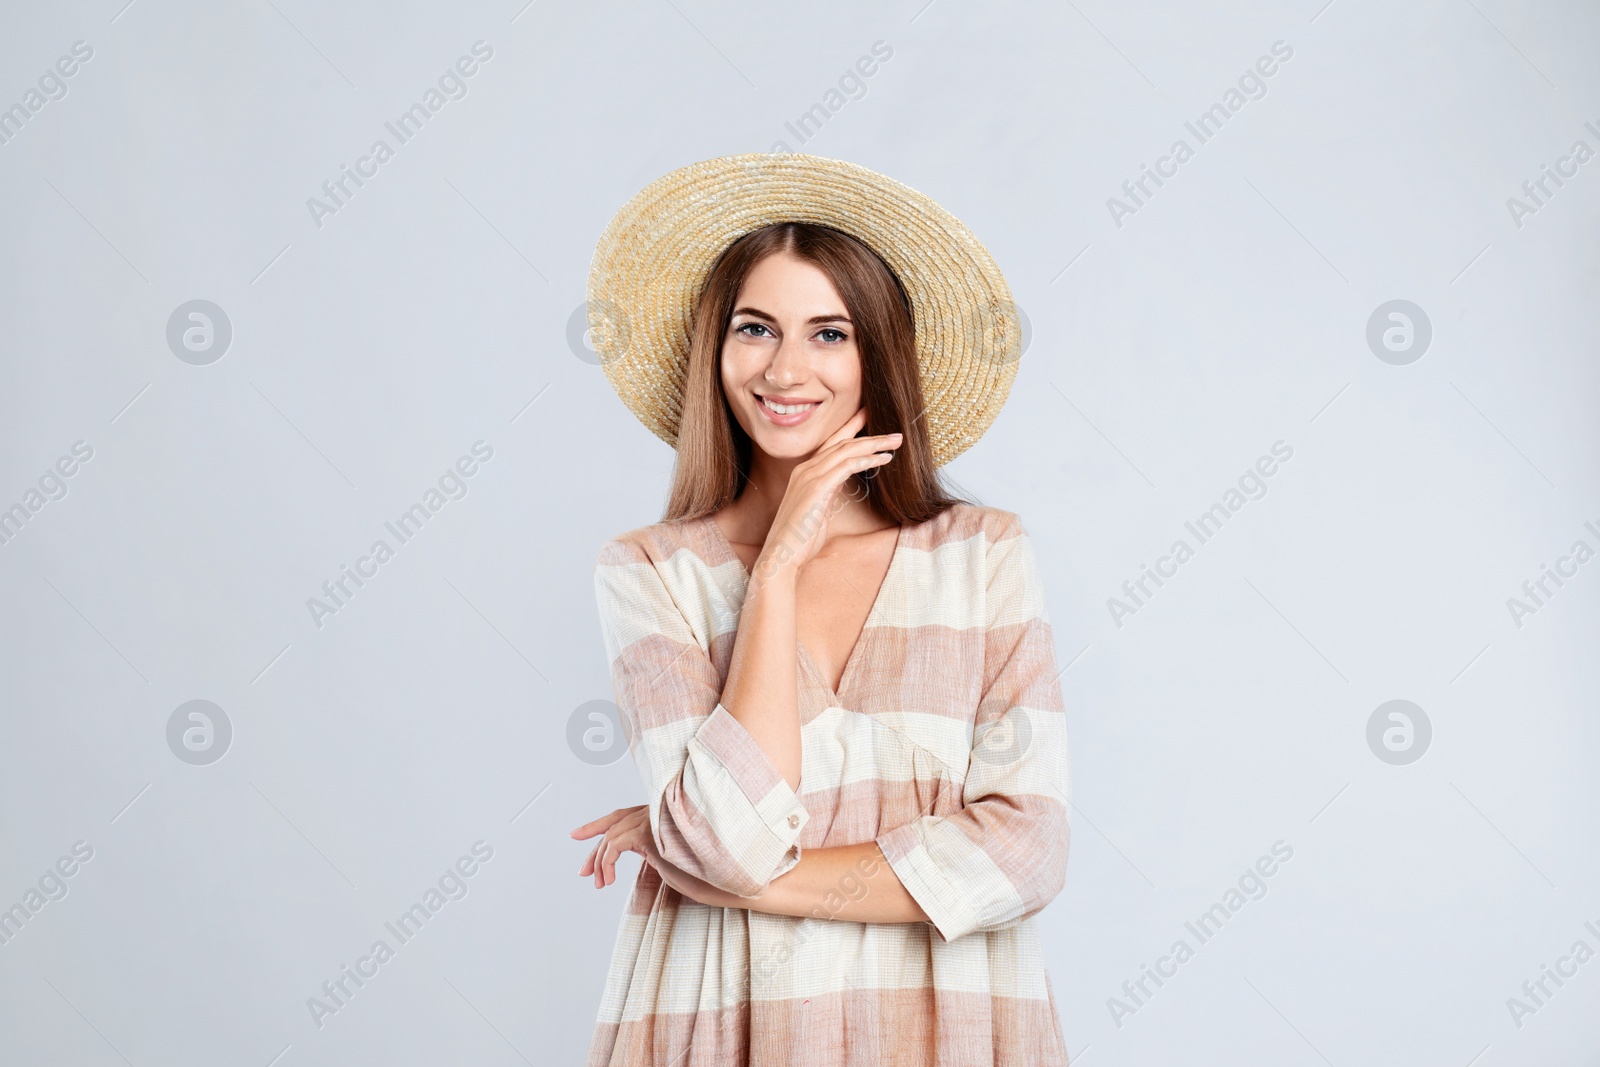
[837,679]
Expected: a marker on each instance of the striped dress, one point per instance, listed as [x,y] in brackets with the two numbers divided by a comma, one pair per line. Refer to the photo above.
[945,743]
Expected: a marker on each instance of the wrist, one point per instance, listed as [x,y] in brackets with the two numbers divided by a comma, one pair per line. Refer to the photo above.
[780,570]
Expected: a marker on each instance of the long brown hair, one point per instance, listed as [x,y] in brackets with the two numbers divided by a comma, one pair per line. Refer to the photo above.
[713,462]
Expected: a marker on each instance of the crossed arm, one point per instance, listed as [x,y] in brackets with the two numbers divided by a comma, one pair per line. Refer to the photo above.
[853,883]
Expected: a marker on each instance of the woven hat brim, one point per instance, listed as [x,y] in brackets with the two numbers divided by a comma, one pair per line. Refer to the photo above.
[654,256]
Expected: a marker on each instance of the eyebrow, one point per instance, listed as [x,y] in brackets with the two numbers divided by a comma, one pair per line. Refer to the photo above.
[812,321]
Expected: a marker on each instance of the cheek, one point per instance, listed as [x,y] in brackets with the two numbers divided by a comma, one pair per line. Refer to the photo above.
[737,366]
[844,378]
[734,379]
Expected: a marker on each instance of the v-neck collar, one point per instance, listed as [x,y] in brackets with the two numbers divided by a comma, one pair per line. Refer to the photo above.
[873,612]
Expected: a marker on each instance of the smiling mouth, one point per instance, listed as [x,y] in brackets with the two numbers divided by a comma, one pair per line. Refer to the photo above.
[795,408]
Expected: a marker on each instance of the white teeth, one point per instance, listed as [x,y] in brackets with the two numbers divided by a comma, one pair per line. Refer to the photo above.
[786,409]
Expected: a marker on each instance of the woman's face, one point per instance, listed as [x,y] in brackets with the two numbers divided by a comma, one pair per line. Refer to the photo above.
[790,367]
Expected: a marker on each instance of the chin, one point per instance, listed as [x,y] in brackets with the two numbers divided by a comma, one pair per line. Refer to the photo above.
[786,446]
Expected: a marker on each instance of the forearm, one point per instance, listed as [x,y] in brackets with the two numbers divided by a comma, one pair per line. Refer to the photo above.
[853,883]
[762,690]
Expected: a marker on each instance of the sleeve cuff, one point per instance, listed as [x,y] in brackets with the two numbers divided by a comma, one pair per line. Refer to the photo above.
[908,856]
[764,837]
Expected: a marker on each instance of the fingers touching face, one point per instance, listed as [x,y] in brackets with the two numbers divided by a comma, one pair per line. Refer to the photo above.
[791,369]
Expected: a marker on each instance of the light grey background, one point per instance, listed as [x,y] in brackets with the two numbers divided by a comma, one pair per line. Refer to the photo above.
[1168,353]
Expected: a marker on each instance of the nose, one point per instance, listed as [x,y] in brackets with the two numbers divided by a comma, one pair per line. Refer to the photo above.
[787,366]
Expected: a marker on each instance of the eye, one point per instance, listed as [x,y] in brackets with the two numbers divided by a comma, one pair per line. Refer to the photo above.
[747,325]
[838,335]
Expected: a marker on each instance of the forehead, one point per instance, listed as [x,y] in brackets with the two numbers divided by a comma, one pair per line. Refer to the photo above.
[783,284]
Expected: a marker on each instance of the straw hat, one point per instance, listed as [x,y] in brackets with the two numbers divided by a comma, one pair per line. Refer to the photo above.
[656,253]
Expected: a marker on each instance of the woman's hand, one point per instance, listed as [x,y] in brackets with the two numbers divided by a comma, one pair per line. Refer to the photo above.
[624,830]
[628,830]
[800,528]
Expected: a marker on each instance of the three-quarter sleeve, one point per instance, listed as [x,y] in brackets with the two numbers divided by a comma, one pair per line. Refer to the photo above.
[1002,857]
[719,808]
